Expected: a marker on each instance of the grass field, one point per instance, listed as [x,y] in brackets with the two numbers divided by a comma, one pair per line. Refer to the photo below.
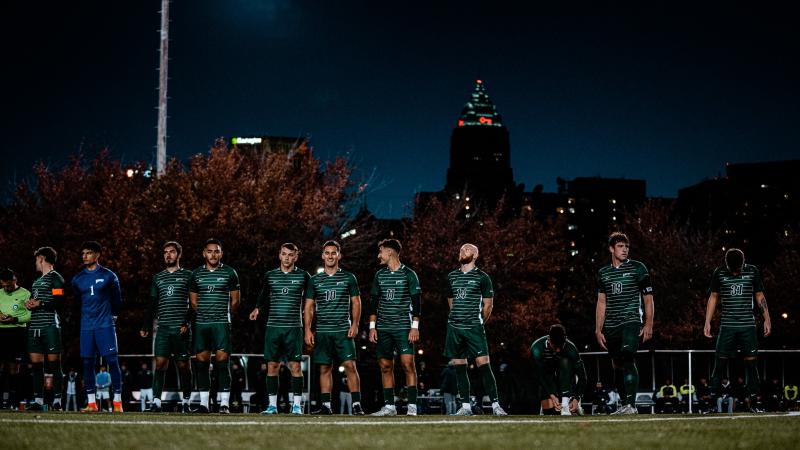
[136,430]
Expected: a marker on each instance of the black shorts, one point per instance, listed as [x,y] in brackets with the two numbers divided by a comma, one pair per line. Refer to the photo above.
[13,343]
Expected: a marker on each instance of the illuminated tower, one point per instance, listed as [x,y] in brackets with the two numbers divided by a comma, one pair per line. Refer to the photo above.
[480,160]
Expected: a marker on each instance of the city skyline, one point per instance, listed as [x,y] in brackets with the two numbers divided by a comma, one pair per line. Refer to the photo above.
[654,93]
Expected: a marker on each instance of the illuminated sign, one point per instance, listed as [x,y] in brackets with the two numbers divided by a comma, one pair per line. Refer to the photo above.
[246,141]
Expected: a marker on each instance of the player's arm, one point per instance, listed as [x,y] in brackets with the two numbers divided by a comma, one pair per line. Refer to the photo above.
[308,318]
[115,295]
[711,307]
[545,380]
[355,311]
[374,302]
[235,293]
[262,302]
[486,311]
[649,310]
[599,319]
[235,297]
[416,313]
[761,300]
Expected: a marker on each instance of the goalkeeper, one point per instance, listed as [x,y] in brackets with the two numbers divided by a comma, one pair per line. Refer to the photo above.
[559,372]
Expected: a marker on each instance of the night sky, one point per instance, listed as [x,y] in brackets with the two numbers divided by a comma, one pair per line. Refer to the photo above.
[664,93]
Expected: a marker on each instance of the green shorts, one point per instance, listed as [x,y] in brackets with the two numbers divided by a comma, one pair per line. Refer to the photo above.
[469,343]
[212,337]
[392,343]
[330,347]
[622,338]
[169,341]
[732,339]
[45,340]
[283,344]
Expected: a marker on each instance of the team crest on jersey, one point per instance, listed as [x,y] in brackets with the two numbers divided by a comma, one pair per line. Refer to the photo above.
[98,280]
[220,279]
[398,282]
[338,283]
[296,281]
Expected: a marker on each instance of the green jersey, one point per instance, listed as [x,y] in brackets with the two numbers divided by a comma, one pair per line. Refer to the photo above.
[468,291]
[547,361]
[49,289]
[736,292]
[331,295]
[13,304]
[624,287]
[213,289]
[282,296]
[169,298]
[393,291]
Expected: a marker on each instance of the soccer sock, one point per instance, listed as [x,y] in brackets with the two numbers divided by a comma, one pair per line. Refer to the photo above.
[115,372]
[54,368]
[158,382]
[388,396]
[272,389]
[489,383]
[297,389]
[412,395]
[91,398]
[752,379]
[117,397]
[204,398]
[462,380]
[356,396]
[325,399]
[223,375]
[88,375]
[185,380]
[720,369]
[619,383]
[631,382]
[38,379]
[224,398]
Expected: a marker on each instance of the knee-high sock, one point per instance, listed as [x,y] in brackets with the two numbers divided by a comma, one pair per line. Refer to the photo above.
[566,377]
[720,371]
[388,396]
[185,379]
[619,382]
[631,382]
[223,375]
[489,383]
[752,379]
[272,385]
[297,385]
[462,380]
[158,382]
[88,375]
[54,369]
[115,372]
[38,379]
[412,394]
[203,377]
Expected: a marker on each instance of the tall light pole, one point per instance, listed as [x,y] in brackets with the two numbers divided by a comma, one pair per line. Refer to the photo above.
[161,144]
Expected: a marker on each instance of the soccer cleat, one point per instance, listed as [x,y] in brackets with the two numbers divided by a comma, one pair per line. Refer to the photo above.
[463,412]
[271,409]
[35,407]
[297,409]
[323,411]
[202,409]
[386,411]
[117,407]
[756,410]
[497,410]
[412,410]
[185,408]
[357,410]
[56,406]
[223,409]
[154,408]
[625,410]
[565,411]
[90,408]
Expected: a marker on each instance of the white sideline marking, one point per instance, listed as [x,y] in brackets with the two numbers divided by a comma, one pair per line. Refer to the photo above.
[373,422]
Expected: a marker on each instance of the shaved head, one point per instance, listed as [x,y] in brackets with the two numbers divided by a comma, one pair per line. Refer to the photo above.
[468,253]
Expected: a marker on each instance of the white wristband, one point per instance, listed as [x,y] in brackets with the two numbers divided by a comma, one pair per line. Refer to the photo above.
[371,324]
[415,324]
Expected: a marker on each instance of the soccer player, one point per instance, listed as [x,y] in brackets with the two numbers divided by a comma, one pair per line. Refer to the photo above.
[101,299]
[333,296]
[736,284]
[471,298]
[618,317]
[214,295]
[559,371]
[281,301]
[44,330]
[395,306]
[13,318]
[169,301]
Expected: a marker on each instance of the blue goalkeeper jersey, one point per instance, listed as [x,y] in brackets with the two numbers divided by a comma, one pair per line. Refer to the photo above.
[100,296]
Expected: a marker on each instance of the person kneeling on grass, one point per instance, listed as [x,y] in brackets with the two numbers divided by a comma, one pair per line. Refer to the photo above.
[559,372]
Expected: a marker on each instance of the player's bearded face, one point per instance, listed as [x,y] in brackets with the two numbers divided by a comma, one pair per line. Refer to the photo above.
[212,254]
[170,257]
[467,255]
